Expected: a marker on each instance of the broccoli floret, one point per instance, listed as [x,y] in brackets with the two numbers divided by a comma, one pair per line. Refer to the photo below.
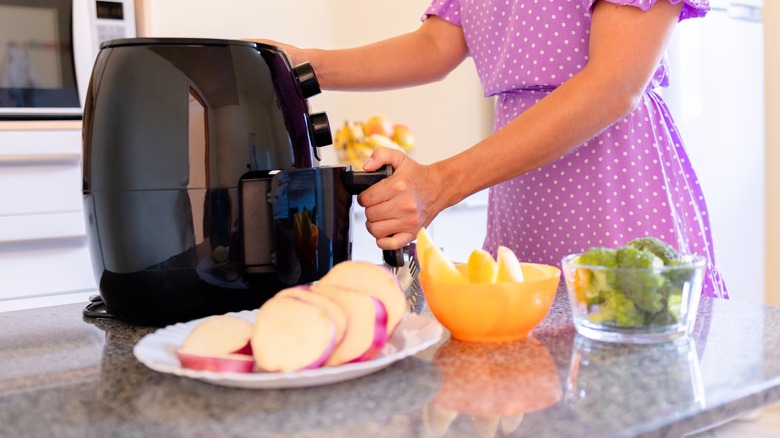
[678,277]
[592,283]
[618,310]
[671,312]
[598,257]
[641,284]
[675,300]
[661,249]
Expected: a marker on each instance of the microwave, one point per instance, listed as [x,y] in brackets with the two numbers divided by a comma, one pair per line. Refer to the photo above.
[47,51]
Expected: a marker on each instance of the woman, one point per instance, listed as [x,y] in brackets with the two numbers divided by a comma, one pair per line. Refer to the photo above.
[584,152]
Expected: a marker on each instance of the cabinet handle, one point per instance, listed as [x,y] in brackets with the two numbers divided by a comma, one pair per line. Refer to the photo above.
[38,159]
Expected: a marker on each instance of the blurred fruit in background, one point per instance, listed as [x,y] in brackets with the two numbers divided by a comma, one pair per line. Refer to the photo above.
[378,124]
[403,136]
[355,141]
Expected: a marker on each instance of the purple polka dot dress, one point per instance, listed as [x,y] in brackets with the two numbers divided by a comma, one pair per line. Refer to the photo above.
[631,180]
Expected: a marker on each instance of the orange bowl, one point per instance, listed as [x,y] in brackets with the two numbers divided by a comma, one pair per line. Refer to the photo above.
[498,312]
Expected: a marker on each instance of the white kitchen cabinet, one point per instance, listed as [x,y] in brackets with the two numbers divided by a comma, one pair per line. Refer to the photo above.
[44,257]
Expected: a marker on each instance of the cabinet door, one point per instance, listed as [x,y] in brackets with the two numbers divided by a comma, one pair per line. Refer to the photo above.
[44,258]
[39,268]
[40,183]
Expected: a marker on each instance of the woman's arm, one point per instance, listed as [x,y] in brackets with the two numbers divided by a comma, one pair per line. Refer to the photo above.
[425,55]
[626,46]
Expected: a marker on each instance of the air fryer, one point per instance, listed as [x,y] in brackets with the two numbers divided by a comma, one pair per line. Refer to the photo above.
[199,176]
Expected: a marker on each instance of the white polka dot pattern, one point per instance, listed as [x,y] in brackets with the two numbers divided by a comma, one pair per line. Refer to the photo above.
[632,180]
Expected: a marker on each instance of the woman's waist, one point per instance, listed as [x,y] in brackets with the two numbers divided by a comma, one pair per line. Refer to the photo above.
[524,91]
[535,90]
[511,103]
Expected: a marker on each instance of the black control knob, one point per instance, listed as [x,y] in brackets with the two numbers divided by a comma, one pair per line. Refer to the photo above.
[320,129]
[307,80]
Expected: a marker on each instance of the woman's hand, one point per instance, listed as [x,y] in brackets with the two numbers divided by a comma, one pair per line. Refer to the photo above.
[397,207]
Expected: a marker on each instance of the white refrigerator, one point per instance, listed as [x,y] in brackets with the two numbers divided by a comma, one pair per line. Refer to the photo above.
[717,98]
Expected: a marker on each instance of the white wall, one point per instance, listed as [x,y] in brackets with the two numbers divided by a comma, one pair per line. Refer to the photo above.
[772,102]
[446,117]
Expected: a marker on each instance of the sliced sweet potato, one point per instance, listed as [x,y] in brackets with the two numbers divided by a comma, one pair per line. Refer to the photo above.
[217,344]
[336,312]
[372,279]
[366,325]
[292,334]
[231,363]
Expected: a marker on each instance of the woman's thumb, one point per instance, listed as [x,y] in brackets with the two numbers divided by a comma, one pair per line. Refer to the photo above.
[381,156]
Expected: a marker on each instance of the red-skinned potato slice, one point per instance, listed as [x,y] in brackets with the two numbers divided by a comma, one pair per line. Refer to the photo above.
[218,335]
[336,312]
[218,343]
[230,363]
[371,279]
[292,334]
[366,325]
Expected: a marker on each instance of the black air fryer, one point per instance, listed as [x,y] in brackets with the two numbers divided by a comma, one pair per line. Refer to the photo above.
[200,190]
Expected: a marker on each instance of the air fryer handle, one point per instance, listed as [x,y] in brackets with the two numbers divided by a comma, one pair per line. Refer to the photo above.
[358,181]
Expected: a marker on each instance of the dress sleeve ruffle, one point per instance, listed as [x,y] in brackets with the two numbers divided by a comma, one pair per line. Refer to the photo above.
[691,8]
[448,10]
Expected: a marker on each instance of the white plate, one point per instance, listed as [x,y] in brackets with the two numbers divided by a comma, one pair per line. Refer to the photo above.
[157,351]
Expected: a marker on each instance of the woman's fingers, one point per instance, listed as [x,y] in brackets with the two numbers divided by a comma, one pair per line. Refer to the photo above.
[395,241]
[387,189]
[395,207]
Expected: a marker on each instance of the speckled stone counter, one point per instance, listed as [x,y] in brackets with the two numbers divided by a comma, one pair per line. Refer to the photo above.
[66,376]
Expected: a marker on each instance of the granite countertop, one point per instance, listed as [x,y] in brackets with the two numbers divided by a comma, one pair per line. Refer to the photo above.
[65,375]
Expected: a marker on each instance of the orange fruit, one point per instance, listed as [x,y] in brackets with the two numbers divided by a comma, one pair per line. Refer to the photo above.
[424,243]
[509,268]
[433,263]
[440,268]
[378,124]
[482,268]
[403,136]
[532,272]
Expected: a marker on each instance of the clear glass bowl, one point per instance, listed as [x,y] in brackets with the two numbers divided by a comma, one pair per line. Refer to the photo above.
[634,305]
